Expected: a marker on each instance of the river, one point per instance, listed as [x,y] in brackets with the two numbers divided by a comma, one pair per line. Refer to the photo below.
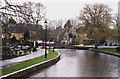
[82,63]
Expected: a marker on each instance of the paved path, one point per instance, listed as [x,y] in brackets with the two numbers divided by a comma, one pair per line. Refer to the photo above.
[16,60]
[98,46]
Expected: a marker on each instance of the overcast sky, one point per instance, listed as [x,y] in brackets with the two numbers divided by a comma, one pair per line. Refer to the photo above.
[65,9]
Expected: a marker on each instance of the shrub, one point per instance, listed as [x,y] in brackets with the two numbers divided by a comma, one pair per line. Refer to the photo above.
[110,44]
[13,38]
[27,42]
[105,44]
[88,42]
[6,50]
[34,49]
[118,49]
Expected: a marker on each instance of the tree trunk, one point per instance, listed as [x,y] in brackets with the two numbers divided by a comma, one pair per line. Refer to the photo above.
[96,46]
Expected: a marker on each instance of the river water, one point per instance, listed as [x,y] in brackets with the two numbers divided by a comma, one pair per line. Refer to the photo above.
[82,63]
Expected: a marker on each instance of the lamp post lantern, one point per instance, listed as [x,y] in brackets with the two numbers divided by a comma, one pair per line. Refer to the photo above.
[45,38]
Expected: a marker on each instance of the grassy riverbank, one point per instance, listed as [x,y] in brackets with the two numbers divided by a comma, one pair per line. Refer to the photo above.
[25,64]
[110,50]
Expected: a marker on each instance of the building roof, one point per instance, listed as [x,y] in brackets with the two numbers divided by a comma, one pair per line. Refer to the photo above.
[22,28]
[19,28]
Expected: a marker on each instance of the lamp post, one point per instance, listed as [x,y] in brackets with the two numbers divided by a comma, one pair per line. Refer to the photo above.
[54,47]
[45,38]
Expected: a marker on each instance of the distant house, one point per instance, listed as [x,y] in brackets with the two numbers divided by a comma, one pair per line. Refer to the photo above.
[114,40]
[17,35]
[82,36]
[18,31]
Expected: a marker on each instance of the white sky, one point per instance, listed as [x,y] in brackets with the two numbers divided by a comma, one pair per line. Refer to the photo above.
[65,9]
[71,9]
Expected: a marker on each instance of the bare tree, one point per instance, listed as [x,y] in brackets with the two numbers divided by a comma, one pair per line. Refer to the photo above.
[117,26]
[30,12]
[56,23]
[27,13]
[55,29]
[36,12]
[96,19]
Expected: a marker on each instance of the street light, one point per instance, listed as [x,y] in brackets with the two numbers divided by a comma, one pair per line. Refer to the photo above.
[54,47]
[45,38]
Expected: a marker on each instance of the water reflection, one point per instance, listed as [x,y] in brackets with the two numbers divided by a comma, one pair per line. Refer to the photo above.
[82,63]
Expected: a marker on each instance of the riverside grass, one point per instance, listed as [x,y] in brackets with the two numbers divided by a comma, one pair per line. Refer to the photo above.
[25,64]
[111,50]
